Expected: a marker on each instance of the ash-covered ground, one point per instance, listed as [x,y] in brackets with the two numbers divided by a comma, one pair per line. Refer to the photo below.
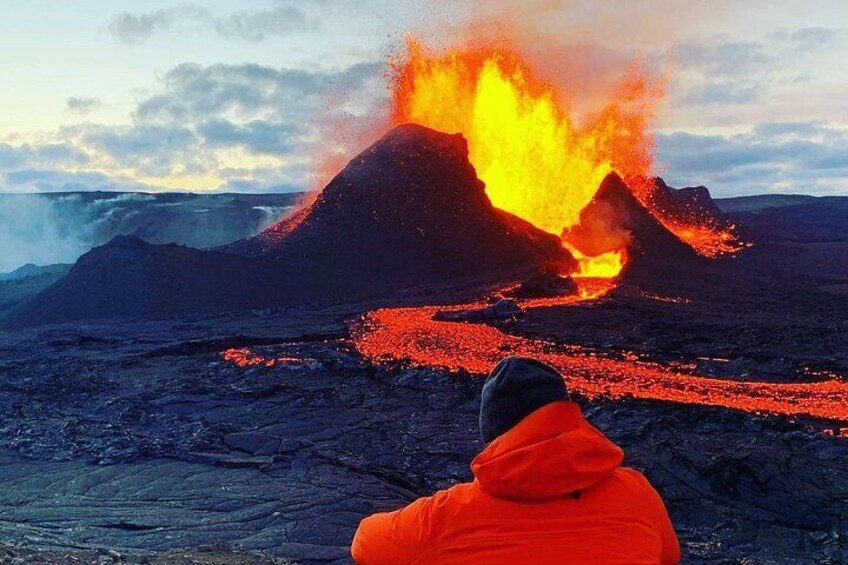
[136,437]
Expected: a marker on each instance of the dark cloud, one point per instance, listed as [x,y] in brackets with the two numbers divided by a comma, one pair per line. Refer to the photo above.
[802,129]
[195,91]
[198,116]
[256,136]
[256,26]
[12,157]
[721,71]
[722,58]
[53,180]
[82,105]
[139,140]
[808,39]
[808,157]
[262,110]
[134,28]
[152,149]
[726,92]
[55,154]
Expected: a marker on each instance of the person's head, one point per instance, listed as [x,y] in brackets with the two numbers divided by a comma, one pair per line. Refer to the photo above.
[514,389]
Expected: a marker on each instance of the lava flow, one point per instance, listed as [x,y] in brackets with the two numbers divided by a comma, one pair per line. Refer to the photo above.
[246,357]
[412,336]
[536,161]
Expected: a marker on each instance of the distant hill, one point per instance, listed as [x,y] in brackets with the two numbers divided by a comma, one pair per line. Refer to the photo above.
[128,277]
[27,281]
[797,218]
[29,271]
[763,201]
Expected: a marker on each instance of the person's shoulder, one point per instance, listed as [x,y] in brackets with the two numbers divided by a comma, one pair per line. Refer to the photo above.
[632,477]
[637,484]
[455,496]
[634,482]
[447,500]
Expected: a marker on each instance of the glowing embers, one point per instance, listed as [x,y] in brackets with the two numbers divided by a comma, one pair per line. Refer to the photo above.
[411,335]
[669,299]
[692,217]
[708,241]
[246,357]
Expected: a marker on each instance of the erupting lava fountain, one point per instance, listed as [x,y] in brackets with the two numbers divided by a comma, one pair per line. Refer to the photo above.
[536,161]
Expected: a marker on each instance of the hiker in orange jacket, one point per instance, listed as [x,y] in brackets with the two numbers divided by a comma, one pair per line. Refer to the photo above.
[549,489]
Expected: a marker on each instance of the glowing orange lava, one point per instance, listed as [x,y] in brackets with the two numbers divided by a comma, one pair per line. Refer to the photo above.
[707,240]
[537,163]
[411,335]
[246,357]
[536,160]
[604,266]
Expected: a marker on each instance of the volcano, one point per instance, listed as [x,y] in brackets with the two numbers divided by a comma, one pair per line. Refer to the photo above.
[408,211]
[694,217]
[616,219]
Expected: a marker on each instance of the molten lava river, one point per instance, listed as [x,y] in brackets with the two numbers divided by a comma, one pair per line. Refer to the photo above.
[410,336]
[413,337]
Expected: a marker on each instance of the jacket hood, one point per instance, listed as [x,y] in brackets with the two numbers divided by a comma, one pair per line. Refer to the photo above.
[550,453]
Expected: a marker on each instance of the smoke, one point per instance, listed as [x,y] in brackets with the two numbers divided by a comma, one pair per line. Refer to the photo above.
[57,228]
[33,229]
[271,215]
[603,231]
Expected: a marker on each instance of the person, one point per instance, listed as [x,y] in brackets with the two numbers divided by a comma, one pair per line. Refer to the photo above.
[548,488]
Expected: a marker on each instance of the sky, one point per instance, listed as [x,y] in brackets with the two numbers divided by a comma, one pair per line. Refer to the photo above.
[249,95]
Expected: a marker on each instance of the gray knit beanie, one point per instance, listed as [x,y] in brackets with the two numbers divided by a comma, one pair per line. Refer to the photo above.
[516,387]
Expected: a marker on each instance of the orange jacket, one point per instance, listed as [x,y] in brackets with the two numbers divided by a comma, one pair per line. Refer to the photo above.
[548,491]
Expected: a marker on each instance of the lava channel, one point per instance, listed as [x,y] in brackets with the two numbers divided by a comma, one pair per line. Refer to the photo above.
[412,336]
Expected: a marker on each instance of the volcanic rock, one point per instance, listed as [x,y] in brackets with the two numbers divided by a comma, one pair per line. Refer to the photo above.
[689,205]
[503,309]
[544,285]
[408,211]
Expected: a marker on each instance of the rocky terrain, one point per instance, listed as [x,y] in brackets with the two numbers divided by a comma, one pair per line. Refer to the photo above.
[138,437]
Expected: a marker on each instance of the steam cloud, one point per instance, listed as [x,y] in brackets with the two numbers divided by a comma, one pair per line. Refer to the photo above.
[57,228]
[32,230]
